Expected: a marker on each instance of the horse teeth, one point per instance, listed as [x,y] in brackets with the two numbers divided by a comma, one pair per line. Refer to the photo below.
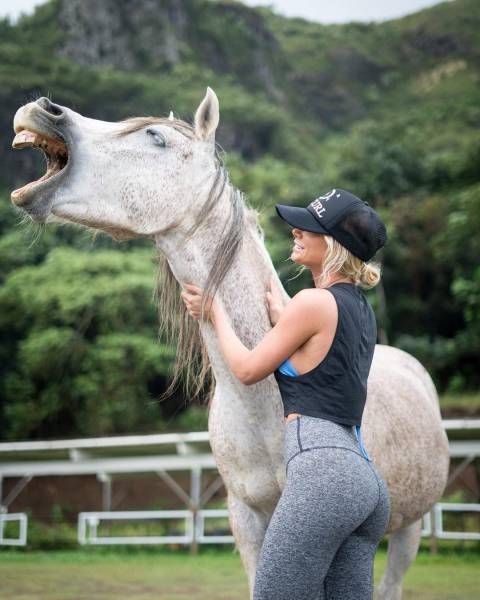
[27,139]
[24,139]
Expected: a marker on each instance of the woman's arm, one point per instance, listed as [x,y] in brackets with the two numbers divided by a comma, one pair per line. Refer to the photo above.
[300,319]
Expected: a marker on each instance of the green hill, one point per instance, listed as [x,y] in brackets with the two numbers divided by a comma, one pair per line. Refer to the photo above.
[389,110]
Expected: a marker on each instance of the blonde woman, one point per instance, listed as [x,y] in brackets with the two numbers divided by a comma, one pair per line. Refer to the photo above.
[323,535]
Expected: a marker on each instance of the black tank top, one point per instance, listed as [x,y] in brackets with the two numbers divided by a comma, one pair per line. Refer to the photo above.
[336,388]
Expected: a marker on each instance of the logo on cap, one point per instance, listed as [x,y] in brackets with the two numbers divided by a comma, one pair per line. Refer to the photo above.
[318,203]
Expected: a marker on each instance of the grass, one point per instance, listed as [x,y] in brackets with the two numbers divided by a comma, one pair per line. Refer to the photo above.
[216,574]
[467,402]
[92,575]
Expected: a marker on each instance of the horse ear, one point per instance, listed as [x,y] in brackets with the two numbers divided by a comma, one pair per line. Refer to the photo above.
[207,116]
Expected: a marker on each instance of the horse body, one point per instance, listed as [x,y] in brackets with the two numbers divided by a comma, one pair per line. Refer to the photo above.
[153,178]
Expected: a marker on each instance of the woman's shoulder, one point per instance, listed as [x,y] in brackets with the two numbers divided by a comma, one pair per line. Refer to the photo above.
[315,301]
[313,295]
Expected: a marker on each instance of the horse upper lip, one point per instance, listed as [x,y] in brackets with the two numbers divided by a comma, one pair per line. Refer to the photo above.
[33,117]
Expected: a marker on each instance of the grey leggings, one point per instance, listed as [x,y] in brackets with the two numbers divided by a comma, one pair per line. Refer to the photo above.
[321,541]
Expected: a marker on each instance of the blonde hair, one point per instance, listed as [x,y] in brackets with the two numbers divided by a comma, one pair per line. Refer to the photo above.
[340,260]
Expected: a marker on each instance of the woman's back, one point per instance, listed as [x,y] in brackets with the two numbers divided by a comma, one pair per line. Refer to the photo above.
[336,388]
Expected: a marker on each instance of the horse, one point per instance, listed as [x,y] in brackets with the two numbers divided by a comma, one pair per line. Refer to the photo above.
[163,179]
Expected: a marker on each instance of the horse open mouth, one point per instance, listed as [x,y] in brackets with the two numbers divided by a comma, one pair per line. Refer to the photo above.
[55,151]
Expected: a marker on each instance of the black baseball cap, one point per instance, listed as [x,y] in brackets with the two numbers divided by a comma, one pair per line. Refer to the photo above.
[344,216]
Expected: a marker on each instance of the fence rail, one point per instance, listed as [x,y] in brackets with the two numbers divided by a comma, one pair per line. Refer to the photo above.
[88,523]
[194,527]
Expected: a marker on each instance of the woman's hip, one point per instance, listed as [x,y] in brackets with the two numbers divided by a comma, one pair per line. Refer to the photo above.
[305,433]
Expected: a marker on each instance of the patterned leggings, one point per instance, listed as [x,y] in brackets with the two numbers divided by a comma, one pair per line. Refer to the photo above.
[322,538]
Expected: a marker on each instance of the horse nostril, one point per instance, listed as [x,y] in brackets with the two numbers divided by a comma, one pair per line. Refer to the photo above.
[49,106]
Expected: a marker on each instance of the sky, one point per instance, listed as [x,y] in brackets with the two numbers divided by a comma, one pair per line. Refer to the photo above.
[324,11]
[342,11]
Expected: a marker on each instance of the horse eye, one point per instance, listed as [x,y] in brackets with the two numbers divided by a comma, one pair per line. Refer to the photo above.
[158,137]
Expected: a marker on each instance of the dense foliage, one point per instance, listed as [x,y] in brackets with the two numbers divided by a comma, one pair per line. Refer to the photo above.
[390,111]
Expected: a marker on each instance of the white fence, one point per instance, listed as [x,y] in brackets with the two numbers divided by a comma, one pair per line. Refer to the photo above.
[194,527]
[194,524]
[442,507]
[22,529]
[88,523]
[191,452]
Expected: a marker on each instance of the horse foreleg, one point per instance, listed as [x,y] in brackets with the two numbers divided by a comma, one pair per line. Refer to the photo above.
[248,526]
[402,549]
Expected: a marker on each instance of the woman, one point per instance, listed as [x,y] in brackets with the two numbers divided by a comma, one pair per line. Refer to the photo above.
[334,510]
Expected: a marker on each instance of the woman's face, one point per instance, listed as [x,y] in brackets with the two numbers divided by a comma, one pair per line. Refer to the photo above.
[309,248]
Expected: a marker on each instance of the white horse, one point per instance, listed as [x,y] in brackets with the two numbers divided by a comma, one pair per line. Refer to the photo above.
[161,178]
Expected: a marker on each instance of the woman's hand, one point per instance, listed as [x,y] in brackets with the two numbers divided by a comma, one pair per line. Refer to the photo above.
[274,302]
[192,295]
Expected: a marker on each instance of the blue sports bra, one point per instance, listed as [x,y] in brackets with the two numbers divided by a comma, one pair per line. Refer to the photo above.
[288,369]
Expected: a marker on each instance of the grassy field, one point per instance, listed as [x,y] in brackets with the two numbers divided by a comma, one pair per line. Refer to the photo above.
[160,574]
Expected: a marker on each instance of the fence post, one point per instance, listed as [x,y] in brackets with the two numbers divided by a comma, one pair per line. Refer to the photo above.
[433,532]
[195,492]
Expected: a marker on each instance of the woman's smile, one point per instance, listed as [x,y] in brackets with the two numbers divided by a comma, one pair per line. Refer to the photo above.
[308,249]
[298,247]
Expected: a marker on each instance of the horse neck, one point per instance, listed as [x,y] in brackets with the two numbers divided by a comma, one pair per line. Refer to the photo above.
[242,292]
